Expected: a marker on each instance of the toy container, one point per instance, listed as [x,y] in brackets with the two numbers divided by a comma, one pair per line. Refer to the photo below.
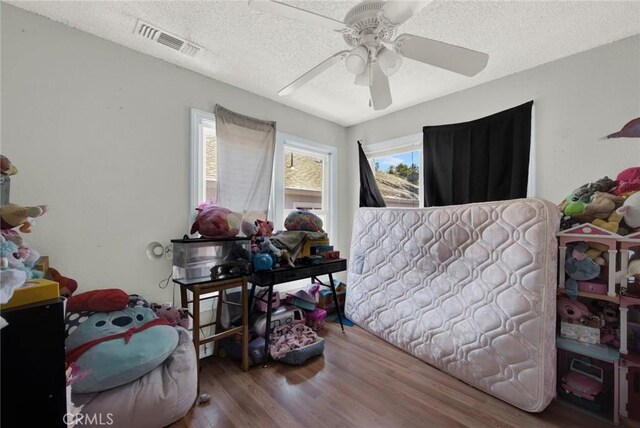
[261,300]
[315,319]
[303,300]
[592,287]
[211,257]
[579,332]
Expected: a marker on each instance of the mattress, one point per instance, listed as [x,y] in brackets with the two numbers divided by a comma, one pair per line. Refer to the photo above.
[469,289]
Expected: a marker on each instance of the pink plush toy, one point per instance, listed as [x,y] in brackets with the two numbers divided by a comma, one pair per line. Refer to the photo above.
[628,181]
[175,316]
[265,228]
[216,222]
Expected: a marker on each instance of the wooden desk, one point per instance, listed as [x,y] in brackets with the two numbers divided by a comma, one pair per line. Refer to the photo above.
[202,286]
[278,276]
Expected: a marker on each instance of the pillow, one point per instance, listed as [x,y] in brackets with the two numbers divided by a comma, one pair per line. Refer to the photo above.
[118,347]
[303,220]
[111,299]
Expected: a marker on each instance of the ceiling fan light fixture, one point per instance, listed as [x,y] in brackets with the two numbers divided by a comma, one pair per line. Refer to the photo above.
[357,60]
[362,79]
[389,61]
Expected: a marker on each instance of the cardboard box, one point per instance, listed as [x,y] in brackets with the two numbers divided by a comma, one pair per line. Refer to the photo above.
[306,247]
[34,290]
[579,332]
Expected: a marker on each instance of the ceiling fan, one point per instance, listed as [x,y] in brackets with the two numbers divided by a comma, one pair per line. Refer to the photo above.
[369,29]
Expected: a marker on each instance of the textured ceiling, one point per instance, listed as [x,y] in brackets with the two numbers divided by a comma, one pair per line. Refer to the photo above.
[262,53]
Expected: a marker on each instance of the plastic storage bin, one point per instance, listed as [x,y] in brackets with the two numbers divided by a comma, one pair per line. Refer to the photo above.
[211,257]
[315,319]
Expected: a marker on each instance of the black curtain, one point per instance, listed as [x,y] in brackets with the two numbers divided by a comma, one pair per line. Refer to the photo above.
[369,193]
[483,160]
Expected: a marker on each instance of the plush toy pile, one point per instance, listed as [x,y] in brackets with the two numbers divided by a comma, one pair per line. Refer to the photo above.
[15,253]
[17,259]
[613,205]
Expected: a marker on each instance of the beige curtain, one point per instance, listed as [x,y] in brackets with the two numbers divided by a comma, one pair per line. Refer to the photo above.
[245,162]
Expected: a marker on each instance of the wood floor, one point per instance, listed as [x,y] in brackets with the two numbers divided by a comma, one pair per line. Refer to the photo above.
[360,381]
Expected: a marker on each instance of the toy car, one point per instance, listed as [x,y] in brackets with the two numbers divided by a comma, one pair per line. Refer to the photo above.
[231,347]
[583,380]
[280,316]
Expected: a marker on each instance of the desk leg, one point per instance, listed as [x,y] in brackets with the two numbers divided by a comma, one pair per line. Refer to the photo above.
[252,293]
[267,331]
[245,326]
[183,297]
[196,325]
[335,299]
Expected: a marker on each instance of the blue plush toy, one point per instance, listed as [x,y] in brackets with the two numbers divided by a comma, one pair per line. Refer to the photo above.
[578,267]
[262,262]
[20,258]
[118,347]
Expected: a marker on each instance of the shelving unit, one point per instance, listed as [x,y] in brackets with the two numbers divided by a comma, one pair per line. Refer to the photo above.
[605,356]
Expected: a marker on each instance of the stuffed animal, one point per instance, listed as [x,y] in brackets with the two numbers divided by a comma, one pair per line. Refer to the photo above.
[118,347]
[628,181]
[20,258]
[12,216]
[12,235]
[612,224]
[265,228]
[572,311]
[610,330]
[303,220]
[66,285]
[577,202]
[9,255]
[286,258]
[266,246]
[262,262]
[6,167]
[213,221]
[175,316]
[630,211]
[578,267]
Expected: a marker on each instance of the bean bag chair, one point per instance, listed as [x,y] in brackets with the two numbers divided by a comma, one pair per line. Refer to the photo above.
[154,400]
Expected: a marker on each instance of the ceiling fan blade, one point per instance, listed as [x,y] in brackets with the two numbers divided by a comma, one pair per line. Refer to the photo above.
[379,88]
[450,57]
[323,66]
[398,11]
[292,12]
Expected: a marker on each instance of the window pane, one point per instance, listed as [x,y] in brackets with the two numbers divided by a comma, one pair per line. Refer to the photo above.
[210,165]
[304,184]
[397,177]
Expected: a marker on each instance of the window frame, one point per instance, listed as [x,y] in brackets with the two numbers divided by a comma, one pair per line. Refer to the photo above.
[305,146]
[198,188]
[404,144]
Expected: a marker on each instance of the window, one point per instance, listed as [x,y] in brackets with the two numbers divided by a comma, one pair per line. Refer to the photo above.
[304,174]
[203,159]
[304,179]
[397,166]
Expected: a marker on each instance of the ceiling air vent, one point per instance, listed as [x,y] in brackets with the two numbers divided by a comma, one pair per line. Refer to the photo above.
[164,38]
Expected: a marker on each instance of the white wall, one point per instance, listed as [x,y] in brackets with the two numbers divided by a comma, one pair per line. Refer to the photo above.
[100,133]
[577,100]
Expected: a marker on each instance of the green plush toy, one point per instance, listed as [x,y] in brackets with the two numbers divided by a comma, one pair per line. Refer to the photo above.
[580,201]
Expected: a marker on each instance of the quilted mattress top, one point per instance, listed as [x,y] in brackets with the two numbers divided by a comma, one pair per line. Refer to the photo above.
[469,289]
